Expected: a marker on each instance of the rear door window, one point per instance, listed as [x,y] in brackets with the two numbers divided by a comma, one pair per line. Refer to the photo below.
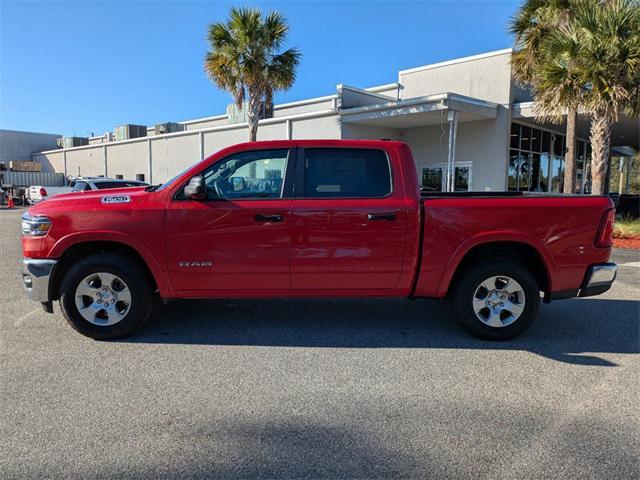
[346,173]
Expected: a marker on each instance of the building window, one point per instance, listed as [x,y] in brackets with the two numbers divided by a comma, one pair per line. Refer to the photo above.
[536,160]
[462,179]
[583,170]
[434,177]
[557,173]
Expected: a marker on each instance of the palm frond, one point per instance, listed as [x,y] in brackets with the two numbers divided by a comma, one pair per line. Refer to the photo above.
[244,57]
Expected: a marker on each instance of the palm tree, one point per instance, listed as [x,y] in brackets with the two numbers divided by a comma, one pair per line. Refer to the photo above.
[552,79]
[607,65]
[244,60]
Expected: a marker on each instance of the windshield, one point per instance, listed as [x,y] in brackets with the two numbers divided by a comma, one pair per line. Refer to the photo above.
[171,180]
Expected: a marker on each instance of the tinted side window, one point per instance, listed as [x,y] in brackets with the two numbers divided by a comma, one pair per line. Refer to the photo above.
[103,185]
[346,173]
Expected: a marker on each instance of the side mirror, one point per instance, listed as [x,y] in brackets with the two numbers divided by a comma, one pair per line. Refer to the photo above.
[196,189]
[237,183]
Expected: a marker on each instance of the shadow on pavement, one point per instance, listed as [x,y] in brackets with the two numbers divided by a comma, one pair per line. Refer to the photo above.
[564,330]
[492,445]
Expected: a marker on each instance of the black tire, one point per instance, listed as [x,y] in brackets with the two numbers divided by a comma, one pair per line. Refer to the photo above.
[465,289]
[141,295]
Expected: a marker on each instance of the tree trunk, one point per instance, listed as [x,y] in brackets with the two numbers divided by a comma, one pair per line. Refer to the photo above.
[570,155]
[253,116]
[601,124]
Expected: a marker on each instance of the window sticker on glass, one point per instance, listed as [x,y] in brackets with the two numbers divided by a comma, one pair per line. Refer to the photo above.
[328,188]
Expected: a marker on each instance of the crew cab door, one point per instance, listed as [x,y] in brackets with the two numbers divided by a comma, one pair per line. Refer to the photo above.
[238,239]
[349,220]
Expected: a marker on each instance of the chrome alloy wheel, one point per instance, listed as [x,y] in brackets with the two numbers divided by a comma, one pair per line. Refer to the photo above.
[103,299]
[498,301]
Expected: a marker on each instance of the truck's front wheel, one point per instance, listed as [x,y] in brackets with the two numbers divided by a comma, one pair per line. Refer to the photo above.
[104,296]
[496,299]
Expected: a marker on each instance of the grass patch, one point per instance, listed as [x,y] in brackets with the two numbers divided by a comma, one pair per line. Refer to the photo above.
[626,227]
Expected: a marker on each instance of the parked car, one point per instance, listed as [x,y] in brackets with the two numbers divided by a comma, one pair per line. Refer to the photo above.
[39,193]
[326,218]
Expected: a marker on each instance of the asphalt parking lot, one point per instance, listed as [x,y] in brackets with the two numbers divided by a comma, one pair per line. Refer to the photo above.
[320,389]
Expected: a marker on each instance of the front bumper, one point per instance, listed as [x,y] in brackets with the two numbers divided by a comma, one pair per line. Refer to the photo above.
[598,279]
[36,274]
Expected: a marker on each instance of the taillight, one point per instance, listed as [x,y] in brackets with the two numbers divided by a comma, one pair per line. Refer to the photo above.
[43,192]
[604,238]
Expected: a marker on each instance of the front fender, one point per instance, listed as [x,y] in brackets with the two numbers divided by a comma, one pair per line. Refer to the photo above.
[159,274]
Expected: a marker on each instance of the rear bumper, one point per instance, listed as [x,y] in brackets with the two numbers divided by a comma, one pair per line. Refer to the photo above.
[36,274]
[598,279]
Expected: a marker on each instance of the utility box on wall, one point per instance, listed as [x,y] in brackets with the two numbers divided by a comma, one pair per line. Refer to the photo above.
[239,115]
[235,114]
[168,127]
[125,132]
[70,142]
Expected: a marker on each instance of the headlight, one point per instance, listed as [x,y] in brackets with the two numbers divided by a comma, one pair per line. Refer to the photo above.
[37,226]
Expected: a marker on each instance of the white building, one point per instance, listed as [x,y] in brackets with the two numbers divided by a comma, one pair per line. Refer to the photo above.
[16,145]
[496,142]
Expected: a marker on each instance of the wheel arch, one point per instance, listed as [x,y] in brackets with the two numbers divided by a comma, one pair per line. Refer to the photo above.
[522,251]
[81,247]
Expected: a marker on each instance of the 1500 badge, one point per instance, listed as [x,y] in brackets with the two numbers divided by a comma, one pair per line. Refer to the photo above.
[116,199]
[195,264]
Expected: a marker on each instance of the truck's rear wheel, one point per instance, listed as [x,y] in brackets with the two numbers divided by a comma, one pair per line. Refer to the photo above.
[496,299]
[104,296]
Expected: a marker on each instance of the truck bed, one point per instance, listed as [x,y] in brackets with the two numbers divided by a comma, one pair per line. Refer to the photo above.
[560,228]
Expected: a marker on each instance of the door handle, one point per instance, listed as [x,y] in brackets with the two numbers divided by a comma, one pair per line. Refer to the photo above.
[382,216]
[269,218]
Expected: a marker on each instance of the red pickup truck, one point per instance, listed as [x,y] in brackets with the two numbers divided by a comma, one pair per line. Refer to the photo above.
[312,218]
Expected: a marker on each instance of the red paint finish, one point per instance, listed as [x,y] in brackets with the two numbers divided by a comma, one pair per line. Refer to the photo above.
[244,254]
[323,247]
[561,229]
[338,243]
[337,247]
[82,217]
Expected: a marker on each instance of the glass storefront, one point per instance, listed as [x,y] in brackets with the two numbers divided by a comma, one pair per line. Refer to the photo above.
[433,177]
[583,174]
[536,160]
